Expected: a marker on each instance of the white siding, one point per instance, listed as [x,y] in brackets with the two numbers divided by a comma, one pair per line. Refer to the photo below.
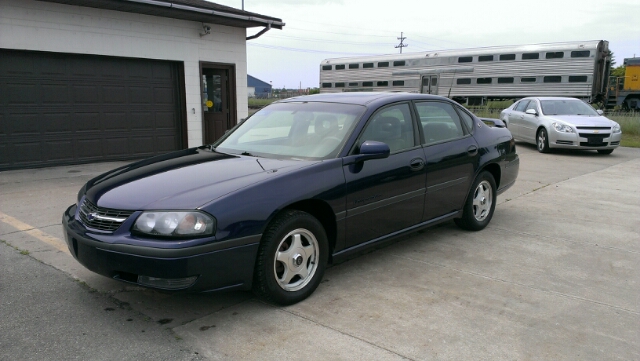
[43,26]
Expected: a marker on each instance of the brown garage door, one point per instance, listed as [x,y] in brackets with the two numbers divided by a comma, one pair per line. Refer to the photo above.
[60,109]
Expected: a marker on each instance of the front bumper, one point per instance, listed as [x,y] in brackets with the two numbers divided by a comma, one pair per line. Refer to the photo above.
[585,139]
[212,266]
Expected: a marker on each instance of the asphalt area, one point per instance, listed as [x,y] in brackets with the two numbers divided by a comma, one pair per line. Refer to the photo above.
[555,276]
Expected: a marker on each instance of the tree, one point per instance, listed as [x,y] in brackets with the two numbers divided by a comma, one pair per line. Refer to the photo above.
[618,71]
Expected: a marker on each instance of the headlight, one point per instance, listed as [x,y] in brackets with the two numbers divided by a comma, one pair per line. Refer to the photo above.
[616,129]
[562,128]
[175,224]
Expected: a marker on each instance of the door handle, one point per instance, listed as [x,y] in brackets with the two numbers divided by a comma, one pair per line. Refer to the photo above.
[416,164]
[472,150]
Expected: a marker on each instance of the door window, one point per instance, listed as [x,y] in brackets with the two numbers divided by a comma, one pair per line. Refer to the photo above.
[532,105]
[392,126]
[439,121]
[522,105]
[211,93]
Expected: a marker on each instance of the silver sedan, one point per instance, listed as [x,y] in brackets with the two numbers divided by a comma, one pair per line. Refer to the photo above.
[561,123]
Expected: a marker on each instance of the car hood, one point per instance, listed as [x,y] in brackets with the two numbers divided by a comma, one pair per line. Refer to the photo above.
[182,180]
[586,121]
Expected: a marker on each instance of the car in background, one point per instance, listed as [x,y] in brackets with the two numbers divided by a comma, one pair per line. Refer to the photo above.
[555,122]
[301,183]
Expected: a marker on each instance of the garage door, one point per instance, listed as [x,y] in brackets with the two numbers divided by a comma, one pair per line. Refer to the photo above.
[58,109]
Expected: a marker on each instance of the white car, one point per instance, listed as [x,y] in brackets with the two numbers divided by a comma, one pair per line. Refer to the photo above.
[553,122]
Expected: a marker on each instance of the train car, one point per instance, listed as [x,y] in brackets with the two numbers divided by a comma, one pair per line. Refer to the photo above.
[574,69]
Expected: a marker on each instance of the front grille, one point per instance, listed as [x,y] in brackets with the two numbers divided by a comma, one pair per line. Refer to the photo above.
[594,140]
[594,128]
[103,219]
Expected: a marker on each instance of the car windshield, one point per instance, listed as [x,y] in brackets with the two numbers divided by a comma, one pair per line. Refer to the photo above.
[296,130]
[567,107]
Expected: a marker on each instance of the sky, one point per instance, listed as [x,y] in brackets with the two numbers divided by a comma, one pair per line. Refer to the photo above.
[321,29]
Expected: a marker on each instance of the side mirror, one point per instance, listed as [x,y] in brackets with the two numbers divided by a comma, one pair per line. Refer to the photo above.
[599,111]
[531,112]
[369,149]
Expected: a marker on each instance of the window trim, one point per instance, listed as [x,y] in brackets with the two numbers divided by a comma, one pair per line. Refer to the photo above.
[412,114]
[418,123]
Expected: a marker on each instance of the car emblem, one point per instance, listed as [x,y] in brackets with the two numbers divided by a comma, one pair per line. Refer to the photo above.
[91,216]
[596,131]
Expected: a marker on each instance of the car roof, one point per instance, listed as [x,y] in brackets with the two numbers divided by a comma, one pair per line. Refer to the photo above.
[361,98]
[552,98]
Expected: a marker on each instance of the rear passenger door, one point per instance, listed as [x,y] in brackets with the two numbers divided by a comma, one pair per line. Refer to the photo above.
[451,154]
[516,117]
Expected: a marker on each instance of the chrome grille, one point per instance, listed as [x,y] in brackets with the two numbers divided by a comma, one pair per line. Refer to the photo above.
[594,128]
[103,219]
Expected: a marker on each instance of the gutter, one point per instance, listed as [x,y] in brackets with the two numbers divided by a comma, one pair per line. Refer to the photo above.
[267,22]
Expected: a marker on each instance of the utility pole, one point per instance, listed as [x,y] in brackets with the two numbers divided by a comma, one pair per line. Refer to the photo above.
[401,45]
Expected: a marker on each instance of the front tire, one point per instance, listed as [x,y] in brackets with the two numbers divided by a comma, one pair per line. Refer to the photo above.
[542,141]
[480,204]
[605,151]
[291,258]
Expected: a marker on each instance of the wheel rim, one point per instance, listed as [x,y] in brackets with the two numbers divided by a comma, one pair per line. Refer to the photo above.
[542,139]
[296,260]
[482,201]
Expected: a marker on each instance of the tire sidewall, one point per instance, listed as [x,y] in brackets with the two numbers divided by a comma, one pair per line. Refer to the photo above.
[469,221]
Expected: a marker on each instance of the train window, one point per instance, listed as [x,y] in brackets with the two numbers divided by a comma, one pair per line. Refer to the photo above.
[465,59]
[530,56]
[326,67]
[577,78]
[353,84]
[434,81]
[528,80]
[339,85]
[340,67]
[555,55]
[508,57]
[463,81]
[326,85]
[367,65]
[367,83]
[485,58]
[354,66]
[552,79]
[425,81]
[580,54]
[505,80]
[383,83]
[483,80]
[399,63]
[383,64]
[398,83]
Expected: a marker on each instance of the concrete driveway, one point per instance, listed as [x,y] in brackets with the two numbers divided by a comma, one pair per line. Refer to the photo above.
[555,276]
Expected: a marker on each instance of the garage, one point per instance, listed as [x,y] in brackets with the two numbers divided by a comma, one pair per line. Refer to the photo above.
[68,108]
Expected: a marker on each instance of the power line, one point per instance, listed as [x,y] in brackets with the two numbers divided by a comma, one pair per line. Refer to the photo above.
[305,50]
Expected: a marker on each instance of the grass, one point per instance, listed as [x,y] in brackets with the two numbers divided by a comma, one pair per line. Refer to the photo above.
[259,103]
[630,140]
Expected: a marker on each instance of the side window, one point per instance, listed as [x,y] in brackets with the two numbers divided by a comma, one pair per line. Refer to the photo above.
[391,125]
[532,105]
[522,106]
[440,122]
[466,118]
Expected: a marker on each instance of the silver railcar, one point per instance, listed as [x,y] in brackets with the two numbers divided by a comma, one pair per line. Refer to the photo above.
[575,69]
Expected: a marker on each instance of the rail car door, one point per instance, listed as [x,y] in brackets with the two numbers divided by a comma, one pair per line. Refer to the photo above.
[430,84]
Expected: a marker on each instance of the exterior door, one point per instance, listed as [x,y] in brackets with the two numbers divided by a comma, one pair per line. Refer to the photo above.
[430,84]
[218,101]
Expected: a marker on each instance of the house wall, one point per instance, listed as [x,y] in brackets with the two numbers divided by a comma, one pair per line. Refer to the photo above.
[43,26]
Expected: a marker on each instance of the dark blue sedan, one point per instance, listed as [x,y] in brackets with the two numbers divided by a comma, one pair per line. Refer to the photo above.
[304,182]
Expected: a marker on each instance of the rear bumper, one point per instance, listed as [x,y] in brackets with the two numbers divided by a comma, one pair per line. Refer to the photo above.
[510,169]
[214,266]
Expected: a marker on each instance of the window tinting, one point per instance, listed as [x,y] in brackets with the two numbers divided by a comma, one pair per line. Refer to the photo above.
[483,81]
[555,55]
[354,66]
[465,59]
[367,83]
[485,58]
[508,57]
[580,54]
[463,81]
[505,80]
[339,85]
[529,56]
[552,79]
[383,64]
[326,85]
[398,83]
[577,78]
[367,65]
[326,67]
[399,63]
[353,84]
[440,122]
[340,67]
[383,83]
[466,118]
[528,80]
[393,126]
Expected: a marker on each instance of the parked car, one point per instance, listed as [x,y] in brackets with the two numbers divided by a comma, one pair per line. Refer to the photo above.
[301,183]
[566,123]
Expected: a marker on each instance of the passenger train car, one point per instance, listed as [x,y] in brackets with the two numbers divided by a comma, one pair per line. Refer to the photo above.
[572,69]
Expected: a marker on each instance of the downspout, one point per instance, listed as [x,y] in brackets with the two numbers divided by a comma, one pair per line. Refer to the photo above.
[266,28]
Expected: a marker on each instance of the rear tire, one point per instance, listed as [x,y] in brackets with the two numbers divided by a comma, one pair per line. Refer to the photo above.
[480,204]
[291,258]
[542,141]
[605,151]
